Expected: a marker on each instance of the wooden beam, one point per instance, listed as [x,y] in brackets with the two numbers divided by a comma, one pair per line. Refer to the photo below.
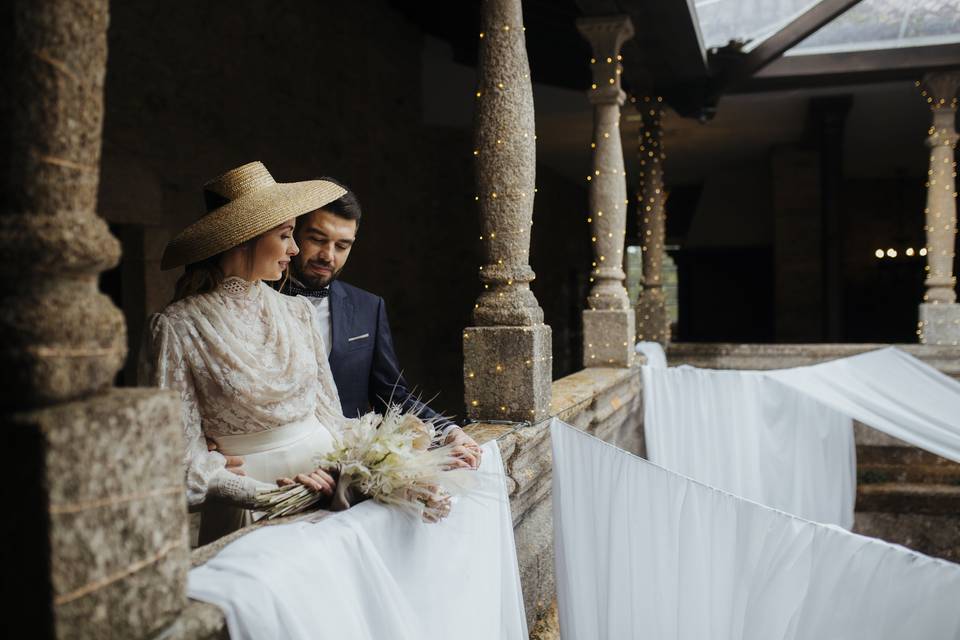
[738,70]
[853,67]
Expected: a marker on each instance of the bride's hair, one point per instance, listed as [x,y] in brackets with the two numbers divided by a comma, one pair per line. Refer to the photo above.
[206,275]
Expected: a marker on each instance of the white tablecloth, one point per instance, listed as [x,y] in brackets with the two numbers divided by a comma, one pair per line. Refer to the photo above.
[642,552]
[374,573]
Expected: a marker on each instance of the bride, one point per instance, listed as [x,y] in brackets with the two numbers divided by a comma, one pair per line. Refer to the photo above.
[248,362]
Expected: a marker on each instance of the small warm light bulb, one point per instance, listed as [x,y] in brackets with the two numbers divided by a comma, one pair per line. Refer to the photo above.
[923,251]
[909,251]
[892,253]
[878,253]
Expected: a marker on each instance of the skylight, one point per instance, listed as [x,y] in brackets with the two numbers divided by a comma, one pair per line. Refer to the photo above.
[871,24]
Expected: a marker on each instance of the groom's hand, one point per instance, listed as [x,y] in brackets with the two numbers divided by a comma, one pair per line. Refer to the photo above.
[234,463]
[465,448]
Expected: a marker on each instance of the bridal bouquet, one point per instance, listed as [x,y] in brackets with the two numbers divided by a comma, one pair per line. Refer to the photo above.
[387,458]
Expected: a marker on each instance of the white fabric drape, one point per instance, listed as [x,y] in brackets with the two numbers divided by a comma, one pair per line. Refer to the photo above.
[747,433]
[891,391]
[653,352]
[372,572]
[642,552]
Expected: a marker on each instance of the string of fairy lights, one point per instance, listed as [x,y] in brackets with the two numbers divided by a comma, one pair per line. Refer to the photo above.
[607,275]
[652,323]
[940,212]
[610,243]
[500,142]
[496,272]
[605,92]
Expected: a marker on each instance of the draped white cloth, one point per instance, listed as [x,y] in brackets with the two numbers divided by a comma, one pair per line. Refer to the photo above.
[746,433]
[891,391]
[642,552]
[653,352]
[372,572]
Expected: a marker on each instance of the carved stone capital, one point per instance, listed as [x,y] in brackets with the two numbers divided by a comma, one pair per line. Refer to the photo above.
[606,34]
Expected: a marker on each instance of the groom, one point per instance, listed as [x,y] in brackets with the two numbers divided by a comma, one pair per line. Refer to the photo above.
[354,322]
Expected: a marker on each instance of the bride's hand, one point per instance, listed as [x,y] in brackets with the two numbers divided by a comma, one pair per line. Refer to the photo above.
[234,463]
[465,449]
[436,503]
[317,480]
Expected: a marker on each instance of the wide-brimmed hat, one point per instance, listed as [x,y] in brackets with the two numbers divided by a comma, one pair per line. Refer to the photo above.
[241,204]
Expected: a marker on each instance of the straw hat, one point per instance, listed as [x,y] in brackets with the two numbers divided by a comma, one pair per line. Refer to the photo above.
[241,204]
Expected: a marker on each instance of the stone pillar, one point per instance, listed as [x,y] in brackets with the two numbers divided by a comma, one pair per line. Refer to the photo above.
[507,364]
[939,312]
[653,322]
[608,322]
[97,546]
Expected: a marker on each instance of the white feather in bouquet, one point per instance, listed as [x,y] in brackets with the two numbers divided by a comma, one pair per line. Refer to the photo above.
[387,458]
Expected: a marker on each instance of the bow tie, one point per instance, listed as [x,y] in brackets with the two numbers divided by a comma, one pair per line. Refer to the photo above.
[294,290]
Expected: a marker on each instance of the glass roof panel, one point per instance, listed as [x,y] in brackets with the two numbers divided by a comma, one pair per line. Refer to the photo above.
[885,24]
[749,21]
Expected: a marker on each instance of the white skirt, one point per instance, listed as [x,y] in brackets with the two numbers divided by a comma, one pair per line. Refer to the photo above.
[282,452]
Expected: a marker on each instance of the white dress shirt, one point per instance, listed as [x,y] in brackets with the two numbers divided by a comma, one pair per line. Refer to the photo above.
[322,305]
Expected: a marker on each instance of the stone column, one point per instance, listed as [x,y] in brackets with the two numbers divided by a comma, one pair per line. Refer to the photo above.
[653,322]
[507,364]
[939,312]
[608,322]
[95,542]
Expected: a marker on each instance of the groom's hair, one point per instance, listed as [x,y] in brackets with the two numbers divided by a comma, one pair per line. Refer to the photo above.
[346,206]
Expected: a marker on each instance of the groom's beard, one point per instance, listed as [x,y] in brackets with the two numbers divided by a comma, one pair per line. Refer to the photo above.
[310,280]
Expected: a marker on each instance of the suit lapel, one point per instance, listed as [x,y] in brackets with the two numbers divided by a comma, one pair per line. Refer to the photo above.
[341,318]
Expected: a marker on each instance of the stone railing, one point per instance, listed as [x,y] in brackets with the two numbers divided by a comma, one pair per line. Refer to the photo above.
[719,355]
[603,402]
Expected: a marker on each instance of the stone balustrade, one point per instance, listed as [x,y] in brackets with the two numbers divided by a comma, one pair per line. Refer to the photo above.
[720,355]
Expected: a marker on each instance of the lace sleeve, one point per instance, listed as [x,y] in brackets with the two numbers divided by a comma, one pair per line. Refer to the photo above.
[163,364]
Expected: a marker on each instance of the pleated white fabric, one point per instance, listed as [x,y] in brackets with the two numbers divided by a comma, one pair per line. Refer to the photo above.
[747,433]
[642,552]
[891,391]
[372,572]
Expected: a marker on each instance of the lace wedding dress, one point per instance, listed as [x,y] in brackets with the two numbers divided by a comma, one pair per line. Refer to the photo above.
[251,369]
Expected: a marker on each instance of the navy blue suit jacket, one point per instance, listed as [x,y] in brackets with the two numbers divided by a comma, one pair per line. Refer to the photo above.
[362,356]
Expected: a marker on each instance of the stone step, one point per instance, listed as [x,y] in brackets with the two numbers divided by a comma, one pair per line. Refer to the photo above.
[905,456]
[913,474]
[889,464]
[933,535]
[905,498]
